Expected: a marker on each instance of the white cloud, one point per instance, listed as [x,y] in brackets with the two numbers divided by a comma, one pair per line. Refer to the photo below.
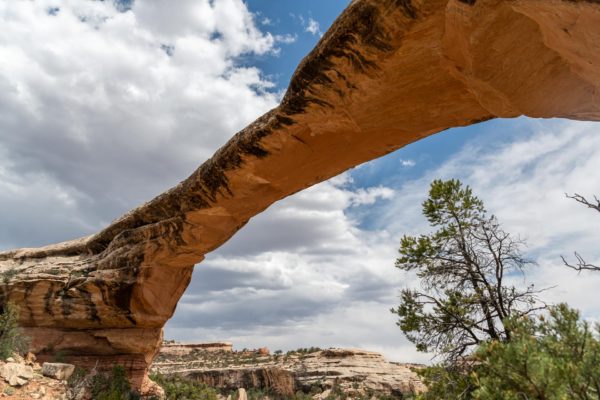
[297,275]
[286,39]
[312,26]
[524,183]
[407,163]
[119,106]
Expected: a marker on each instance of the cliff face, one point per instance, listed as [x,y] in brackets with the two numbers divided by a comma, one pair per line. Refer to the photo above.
[351,371]
[386,74]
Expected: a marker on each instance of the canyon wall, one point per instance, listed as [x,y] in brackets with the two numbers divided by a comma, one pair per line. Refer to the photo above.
[387,73]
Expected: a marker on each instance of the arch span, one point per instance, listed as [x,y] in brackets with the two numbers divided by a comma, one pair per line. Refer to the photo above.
[387,73]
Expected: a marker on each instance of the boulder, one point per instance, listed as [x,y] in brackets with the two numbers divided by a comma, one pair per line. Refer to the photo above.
[16,374]
[30,359]
[60,371]
[242,395]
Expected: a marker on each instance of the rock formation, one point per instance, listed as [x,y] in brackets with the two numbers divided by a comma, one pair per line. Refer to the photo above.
[183,349]
[351,371]
[387,73]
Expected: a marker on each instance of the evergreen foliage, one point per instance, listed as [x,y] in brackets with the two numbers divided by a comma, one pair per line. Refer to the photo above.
[462,267]
[12,339]
[180,388]
[112,386]
[555,358]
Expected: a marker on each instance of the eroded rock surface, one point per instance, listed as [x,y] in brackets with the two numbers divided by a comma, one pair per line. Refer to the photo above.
[386,74]
[351,371]
[184,349]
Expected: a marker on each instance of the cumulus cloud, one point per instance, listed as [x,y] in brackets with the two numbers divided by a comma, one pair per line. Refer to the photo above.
[104,105]
[524,182]
[312,26]
[300,274]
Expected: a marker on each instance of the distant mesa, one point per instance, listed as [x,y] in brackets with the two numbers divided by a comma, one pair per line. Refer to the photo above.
[183,349]
[354,372]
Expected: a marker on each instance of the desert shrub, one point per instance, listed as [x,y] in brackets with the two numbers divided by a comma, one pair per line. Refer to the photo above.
[547,358]
[180,388]
[550,358]
[12,339]
[8,275]
[447,382]
[112,386]
[77,377]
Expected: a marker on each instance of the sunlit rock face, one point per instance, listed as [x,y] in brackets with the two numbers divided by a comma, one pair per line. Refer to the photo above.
[387,73]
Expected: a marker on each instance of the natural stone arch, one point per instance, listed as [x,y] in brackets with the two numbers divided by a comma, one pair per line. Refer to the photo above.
[387,73]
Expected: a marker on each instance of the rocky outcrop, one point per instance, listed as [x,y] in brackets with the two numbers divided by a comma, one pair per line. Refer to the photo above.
[183,349]
[16,374]
[387,73]
[22,379]
[351,371]
[60,371]
[279,380]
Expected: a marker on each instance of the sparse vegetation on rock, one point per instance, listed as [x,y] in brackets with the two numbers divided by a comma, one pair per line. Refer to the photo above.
[180,388]
[112,386]
[12,339]
[303,373]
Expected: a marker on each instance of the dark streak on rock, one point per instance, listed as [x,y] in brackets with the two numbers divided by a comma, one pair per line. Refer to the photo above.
[359,35]
[117,297]
[92,311]
[66,304]
[122,299]
[48,298]
[482,119]
[469,2]
[408,8]
[298,139]
[28,289]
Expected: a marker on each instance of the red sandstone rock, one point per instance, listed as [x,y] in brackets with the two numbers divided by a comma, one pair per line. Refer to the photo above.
[386,74]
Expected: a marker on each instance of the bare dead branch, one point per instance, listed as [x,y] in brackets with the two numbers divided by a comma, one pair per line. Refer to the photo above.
[581,265]
[580,199]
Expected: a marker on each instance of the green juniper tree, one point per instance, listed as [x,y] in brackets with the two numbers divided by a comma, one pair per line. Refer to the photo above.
[11,337]
[463,267]
[555,357]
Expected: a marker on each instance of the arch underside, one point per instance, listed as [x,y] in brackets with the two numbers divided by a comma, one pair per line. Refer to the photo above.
[387,73]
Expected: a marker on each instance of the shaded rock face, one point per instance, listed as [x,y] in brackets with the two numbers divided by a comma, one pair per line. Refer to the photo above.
[351,371]
[387,73]
[276,379]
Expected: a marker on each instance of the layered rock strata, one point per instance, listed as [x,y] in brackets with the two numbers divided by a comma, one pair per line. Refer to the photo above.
[182,349]
[387,73]
[351,371]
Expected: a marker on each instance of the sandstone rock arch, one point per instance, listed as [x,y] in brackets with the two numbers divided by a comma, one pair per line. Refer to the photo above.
[387,73]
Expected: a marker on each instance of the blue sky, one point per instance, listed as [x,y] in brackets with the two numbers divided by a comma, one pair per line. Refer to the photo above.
[96,118]
[292,18]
